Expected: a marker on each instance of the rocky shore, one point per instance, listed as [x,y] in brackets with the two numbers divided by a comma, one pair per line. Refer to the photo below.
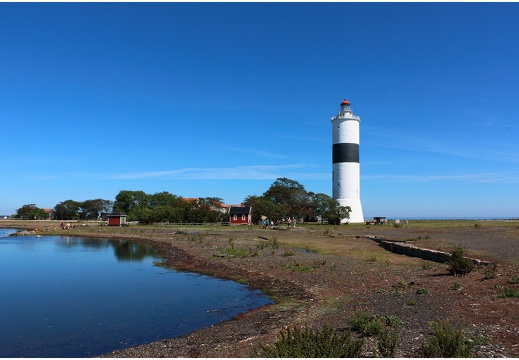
[322,275]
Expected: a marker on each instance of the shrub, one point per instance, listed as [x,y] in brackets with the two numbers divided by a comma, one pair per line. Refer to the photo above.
[412,302]
[456,286]
[392,320]
[387,342]
[447,342]
[490,272]
[369,324]
[308,343]
[297,267]
[458,263]
[422,291]
[366,323]
[508,291]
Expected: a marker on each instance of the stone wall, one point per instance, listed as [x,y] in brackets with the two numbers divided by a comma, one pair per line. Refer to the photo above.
[401,247]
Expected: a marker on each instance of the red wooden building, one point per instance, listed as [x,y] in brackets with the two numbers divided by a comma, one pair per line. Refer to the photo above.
[116,219]
[240,215]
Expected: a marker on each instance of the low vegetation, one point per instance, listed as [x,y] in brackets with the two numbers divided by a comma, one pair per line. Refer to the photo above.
[459,264]
[309,343]
[372,324]
[507,292]
[329,343]
[448,342]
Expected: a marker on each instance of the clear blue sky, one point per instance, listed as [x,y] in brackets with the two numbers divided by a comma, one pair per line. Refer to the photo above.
[221,99]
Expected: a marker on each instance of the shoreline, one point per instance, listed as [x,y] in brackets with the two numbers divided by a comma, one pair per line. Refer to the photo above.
[343,273]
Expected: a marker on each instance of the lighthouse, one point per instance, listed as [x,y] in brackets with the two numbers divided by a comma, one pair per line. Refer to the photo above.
[345,162]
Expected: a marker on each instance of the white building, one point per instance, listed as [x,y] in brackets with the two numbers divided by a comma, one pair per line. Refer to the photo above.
[345,160]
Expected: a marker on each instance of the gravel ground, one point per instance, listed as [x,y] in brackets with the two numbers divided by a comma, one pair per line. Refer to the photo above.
[347,273]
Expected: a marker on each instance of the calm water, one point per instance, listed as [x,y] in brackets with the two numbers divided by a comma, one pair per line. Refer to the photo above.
[78,297]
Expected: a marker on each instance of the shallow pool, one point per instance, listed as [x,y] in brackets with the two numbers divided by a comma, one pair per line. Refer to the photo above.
[79,297]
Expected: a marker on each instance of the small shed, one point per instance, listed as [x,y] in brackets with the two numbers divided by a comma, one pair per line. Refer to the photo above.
[240,215]
[116,219]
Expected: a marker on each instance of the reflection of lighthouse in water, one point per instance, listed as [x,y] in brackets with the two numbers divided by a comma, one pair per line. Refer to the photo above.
[345,160]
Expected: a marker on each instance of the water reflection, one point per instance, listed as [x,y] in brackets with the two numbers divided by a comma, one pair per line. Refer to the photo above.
[124,250]
[7,232]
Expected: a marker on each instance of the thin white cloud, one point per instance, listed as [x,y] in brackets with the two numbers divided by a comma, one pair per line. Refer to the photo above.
[254,172]
[304,138]
[493,177]
[401,140]
[260,153]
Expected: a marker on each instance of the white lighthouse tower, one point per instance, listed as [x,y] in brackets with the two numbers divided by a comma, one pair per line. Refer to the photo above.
[345,160]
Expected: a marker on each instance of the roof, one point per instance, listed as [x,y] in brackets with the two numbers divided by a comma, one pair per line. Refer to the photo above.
[116,213]
[240,210]
[345,102]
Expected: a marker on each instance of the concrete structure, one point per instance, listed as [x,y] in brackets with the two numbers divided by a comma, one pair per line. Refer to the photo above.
[345,160]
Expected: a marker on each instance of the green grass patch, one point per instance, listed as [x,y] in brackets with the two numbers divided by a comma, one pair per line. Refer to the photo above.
[238,252]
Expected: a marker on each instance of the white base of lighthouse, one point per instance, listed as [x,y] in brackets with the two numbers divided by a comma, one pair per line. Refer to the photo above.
[356,214]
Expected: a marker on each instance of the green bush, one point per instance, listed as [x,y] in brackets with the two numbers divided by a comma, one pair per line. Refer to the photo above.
[387,342]
[447,342]
[369,324]
[458,263]
[507,292]
[308,343]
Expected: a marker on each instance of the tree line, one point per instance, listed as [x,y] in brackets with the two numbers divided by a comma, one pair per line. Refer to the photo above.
[284,199]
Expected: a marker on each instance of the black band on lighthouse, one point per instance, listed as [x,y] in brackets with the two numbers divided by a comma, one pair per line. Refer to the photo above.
[345,152]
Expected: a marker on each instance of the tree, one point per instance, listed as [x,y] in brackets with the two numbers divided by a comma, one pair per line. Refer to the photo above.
[264,206]
[92,209]
[291,194]
[67,210]
[128,201]
[208,209]
[31,212]
[340,212]
[323,204]
[327,207]
[211,208]
[163,199]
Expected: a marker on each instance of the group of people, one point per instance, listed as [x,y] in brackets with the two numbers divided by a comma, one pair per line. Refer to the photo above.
[270,223]
[67,226]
